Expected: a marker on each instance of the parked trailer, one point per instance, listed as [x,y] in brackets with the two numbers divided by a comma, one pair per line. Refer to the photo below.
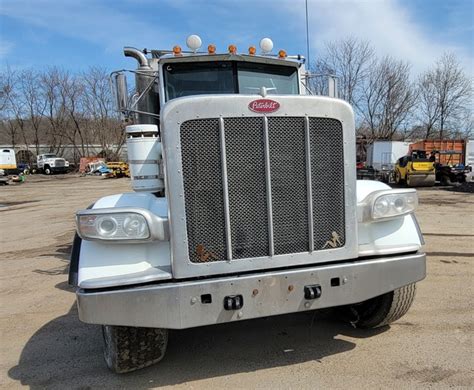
[8,161]
[429,146]
[469,159]
[383,155]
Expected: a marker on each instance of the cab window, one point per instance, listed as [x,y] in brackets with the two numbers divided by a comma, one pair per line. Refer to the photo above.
[228,77]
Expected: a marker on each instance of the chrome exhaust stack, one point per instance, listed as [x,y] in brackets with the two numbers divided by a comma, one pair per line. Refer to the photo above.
[145,103]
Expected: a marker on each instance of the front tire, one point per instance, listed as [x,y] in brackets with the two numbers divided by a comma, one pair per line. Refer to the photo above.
[384,309]
[128,348]
[48,170]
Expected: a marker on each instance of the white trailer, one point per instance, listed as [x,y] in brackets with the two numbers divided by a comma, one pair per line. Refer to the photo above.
[382,155]
[470,158]
[7,161]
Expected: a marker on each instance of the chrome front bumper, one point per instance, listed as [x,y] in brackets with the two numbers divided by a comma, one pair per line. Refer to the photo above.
[179,305]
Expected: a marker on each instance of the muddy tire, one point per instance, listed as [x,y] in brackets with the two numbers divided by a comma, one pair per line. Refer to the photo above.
[128,348]
[385,309]
[48,170]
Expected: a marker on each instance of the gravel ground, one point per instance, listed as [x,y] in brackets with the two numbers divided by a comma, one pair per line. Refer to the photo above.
[43,344]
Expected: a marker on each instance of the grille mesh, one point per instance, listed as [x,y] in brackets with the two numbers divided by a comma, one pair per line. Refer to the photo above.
[327,175]
[247,189]
[289,193]
[200,148]
[244,138]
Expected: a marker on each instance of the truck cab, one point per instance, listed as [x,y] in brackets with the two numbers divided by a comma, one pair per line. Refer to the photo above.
[245,204]
[49,163]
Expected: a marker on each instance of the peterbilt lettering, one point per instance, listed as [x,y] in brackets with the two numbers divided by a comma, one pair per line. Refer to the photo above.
[264,105]
[252,208]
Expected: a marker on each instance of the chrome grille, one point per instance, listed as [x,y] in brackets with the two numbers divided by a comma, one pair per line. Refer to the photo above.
[247,194]
[327,173]
[203,190]
[267,165]
[289,192]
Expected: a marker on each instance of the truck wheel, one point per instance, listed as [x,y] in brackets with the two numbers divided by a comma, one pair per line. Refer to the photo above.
[47,170]
[128,348]
[385,309]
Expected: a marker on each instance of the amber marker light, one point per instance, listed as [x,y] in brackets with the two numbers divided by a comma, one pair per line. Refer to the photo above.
[232,49]
[177,50]
[282,54]
[211,49]
[252,50]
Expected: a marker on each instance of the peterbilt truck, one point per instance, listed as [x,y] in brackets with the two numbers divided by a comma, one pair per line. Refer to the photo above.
[245,204]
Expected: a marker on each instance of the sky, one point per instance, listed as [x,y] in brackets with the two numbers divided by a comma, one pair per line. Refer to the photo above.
[76,34]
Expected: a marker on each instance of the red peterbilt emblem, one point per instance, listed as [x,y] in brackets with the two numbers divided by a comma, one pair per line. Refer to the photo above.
[264,105]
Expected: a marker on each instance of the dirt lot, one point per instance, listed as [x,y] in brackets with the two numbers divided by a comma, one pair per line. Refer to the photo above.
[43,344]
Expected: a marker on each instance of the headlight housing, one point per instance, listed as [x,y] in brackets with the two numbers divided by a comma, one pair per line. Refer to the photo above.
[129,225]
[388,204]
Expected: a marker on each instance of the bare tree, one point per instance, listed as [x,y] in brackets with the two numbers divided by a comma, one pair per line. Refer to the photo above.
[72,90]
[387,98]
[445,93]
[349,60]
[106,128]
[55,111]
[34,104]
[7,96]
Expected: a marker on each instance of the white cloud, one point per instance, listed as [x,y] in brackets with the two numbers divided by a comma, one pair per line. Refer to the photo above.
[101,24]
[386,24]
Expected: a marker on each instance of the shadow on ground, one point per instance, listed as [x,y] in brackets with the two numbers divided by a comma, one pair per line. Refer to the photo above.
[66,353]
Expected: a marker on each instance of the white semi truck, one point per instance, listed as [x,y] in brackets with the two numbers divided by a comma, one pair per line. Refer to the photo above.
[245,205]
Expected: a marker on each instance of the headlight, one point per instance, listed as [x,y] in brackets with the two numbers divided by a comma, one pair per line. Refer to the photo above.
[131,224]
[387,204]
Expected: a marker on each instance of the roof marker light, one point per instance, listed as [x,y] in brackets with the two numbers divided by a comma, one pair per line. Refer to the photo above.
[252,50]
[232,49]
[282,54]
[211,49]
[194,42]
[177,50]
[266,44]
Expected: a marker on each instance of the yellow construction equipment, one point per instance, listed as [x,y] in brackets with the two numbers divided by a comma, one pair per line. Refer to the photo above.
[415,170]
[119,168]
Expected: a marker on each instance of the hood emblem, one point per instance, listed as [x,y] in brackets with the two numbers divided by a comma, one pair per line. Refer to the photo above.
[264,105]
[334,242]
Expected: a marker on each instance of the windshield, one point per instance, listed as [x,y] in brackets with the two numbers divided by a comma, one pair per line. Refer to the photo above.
[49,156]
[198,78]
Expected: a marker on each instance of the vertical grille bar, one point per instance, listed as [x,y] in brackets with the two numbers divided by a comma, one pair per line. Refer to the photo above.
[309,184]
[225,190]
[268,182]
